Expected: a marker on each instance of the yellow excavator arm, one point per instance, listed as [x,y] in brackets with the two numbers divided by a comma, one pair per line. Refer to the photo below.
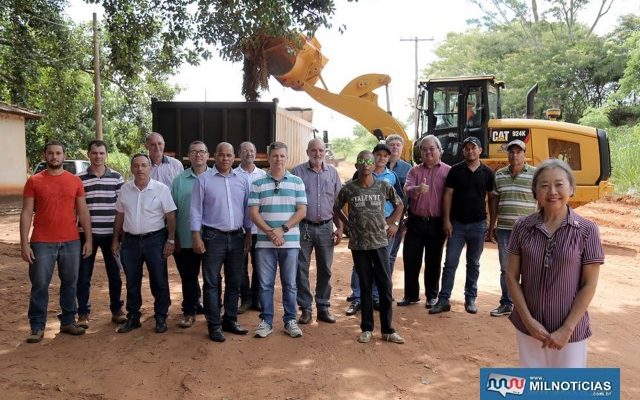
[300,69]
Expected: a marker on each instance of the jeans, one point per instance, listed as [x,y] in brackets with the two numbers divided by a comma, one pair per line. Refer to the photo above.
[250,289]
[268,260]
[423,237]
[319,237]
[371,266]
[502,236]
[134,252]
[355,281]
[86,271]
[67,255]
[221,249]
[472,235]
[188,263]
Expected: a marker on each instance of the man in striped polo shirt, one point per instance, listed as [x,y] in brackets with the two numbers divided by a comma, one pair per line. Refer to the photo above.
[512,199]
[101,187]
[277,203]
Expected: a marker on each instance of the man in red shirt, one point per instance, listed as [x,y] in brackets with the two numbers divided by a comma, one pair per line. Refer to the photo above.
[58,197]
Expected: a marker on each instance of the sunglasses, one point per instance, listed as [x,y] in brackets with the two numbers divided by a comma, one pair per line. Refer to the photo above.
[365,161]
[277,189]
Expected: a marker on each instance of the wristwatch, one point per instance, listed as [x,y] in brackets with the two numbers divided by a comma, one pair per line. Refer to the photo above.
[285,228]
[171,241]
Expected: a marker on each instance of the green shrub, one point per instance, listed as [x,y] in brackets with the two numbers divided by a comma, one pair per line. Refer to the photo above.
[120,162]
[625,148]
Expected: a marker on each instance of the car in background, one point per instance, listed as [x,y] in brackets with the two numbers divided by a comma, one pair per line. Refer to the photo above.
[73,166]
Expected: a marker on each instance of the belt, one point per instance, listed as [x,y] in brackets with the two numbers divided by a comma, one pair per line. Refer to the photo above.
[145,235]
[218,231]
[306,221]
[426,219]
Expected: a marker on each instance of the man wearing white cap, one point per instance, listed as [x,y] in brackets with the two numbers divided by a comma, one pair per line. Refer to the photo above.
[512,198]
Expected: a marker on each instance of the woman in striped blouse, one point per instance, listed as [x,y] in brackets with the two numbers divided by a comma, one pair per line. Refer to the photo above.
[554,261]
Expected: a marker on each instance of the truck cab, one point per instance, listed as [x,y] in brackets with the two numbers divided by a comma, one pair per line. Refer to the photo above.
[455,108]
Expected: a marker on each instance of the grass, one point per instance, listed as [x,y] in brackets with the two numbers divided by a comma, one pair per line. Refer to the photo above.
[625,158]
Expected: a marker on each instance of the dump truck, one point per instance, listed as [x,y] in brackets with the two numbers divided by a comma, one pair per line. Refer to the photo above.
[181,122]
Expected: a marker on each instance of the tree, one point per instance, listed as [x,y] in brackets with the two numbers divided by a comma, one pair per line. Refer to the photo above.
[45,64]
[187,29]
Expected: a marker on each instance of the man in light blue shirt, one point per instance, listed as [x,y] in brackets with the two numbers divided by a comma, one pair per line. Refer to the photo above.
[277,204]
[187,261]
[219,210]
[249,289]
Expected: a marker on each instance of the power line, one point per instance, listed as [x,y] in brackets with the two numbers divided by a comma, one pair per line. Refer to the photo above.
[415,40]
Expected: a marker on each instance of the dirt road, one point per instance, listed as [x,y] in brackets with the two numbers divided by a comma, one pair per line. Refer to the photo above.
[441,359]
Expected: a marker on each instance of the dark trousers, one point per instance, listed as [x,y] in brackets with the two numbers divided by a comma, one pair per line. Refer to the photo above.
[423,237]
[188,263]
[134,252]
[250,289]
[86,271]
[373,265]
[228,250]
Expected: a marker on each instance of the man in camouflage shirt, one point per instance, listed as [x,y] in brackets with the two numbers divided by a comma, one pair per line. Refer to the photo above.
[369,232]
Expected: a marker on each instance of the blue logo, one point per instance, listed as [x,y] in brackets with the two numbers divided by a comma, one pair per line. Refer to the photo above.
[549,383]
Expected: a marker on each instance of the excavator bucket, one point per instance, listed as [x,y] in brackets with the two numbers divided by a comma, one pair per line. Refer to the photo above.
[293,66]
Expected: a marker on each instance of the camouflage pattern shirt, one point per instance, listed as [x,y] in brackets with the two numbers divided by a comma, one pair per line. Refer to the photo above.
[367,224]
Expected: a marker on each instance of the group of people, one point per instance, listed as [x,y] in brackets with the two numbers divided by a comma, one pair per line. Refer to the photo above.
[215,219]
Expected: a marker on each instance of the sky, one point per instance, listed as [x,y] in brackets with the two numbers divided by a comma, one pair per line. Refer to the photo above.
[371,44]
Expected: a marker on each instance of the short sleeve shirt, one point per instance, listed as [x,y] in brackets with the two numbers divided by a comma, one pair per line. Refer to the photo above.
[276,205]
[54,199]
[367,223]
[470,189]
[515,197]
[144,210]
[550,287]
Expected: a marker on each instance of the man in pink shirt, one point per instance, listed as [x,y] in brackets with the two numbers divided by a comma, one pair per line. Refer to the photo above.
[424,186]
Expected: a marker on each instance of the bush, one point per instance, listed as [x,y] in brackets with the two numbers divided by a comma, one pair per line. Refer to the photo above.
[625,147]
[121,163]
[595,117]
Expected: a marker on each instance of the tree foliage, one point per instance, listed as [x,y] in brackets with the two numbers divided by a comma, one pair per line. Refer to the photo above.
[46,65]
[188,29]
[574,68]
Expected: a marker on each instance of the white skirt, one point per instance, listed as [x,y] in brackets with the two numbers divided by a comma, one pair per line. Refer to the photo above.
[532,355]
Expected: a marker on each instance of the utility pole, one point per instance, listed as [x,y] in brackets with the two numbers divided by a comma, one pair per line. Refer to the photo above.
[96,81]
[415,41]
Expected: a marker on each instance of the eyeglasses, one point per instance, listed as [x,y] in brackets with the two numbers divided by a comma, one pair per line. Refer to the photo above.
[548,252]
[365,161]
[198,152]
[277,189]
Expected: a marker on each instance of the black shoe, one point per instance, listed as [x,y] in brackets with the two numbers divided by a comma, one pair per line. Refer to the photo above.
[430,303]
[502,310]
[325,316]
[233,327]
[407,302]
[216,335]
[353,309]
[200,309]
[376,305]
[440,306]
[129,325]
[470,306]
[305,317]
[161,325]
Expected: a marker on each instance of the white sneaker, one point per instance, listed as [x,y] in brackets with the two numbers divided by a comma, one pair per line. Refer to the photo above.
[365,337]
[393,338]
[263,330]
[291,327]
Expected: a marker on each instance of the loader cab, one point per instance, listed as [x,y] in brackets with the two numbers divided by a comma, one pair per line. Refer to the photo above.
[453,109]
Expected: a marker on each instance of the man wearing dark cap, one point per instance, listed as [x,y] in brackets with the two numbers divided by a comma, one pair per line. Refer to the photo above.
[469,184]
[512,198]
